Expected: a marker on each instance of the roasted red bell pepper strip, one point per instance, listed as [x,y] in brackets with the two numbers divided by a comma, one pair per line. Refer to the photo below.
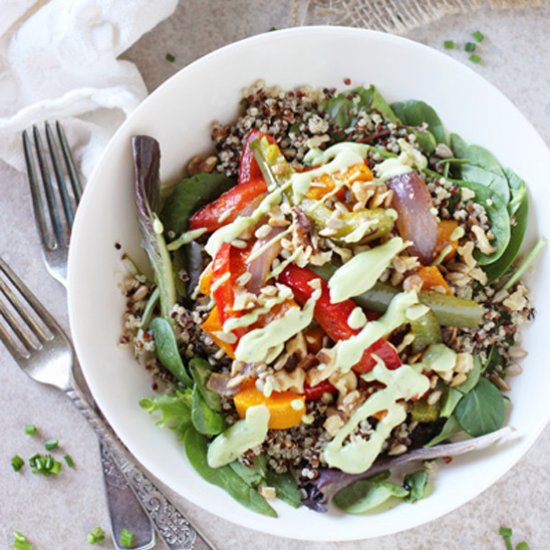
[228,206]
[333,318]
[248,167]
[229,263]
[313,393]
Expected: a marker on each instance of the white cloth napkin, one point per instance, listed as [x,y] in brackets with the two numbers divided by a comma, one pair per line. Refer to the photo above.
[58,61]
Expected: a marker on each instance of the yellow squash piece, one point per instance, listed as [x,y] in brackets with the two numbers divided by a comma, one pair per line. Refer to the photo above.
[285,408]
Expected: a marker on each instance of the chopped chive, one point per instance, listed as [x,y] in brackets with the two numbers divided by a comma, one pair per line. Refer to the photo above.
[46,465]
[469,47]
[474,58]
[95,535]
[51,444]
[126,538]
[272,29]
[21,542]
[449,44]
[69,461]
[478,36]
[17,463]
[170,57]
[506,534]
[30,429]
[56,468]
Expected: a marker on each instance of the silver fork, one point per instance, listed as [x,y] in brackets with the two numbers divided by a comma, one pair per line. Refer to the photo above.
[54,204]
[44,352]
[55,229]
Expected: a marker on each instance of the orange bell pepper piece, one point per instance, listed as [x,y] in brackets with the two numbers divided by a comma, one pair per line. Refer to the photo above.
[211,326]
[205,280]
[325,183]
[431,277]
[285,408]
[445,229]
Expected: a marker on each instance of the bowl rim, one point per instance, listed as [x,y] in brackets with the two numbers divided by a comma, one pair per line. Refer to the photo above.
[269,525]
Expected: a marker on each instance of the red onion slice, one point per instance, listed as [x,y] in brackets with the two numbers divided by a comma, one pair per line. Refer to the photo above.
[260,266]
[416,222]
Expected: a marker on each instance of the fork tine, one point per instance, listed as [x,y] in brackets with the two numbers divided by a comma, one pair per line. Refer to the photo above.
[65,198]
[69,162]
[38,309]
[47,240]
[48,188]
[16,326]
[31,322]
[9,342]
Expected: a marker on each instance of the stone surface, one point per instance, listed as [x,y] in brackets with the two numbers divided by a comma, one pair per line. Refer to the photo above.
[57,513]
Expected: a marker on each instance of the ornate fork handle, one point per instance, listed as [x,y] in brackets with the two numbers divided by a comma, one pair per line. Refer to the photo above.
[173,528]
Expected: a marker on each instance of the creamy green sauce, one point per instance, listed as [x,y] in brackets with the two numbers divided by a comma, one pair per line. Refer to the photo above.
[415,312]
[266,246]
[334,159]
[231,231]
[349,352]
[358,455]
[439,358]
[361,272]
[256,345]
[284,293]
[186,238]
[409,159]
[391,167]
[245,434]
[275,272]
[357,318]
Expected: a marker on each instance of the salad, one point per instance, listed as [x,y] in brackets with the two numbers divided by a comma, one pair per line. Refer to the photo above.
[335,293]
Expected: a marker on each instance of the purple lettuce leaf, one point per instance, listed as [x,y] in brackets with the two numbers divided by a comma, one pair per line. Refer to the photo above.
[146,152]
[330,481]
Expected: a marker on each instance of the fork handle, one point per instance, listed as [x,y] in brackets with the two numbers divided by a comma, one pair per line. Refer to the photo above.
[174,529]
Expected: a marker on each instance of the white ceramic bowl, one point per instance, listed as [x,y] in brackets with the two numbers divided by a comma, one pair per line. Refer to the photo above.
[179,115]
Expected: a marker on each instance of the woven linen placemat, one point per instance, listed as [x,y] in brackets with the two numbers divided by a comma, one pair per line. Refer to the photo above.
[396,16]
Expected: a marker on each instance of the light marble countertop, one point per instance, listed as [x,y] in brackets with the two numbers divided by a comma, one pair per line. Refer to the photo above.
[57,513]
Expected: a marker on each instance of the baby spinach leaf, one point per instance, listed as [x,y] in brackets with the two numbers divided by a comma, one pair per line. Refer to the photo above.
[378,103]
[498,216]
[201,370]
[167,350]
[415,483]
[285,485]
[518,190]
[450,428]
[482,167]
[251,475]
[449,402]
[205,420]
[495,270]
[425,140]
[472,379]
[416,113]
[364,495]
[343,107]
[196,448]
[172,411]
[190,194]
[482,410]
[146,152]
[493,359]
